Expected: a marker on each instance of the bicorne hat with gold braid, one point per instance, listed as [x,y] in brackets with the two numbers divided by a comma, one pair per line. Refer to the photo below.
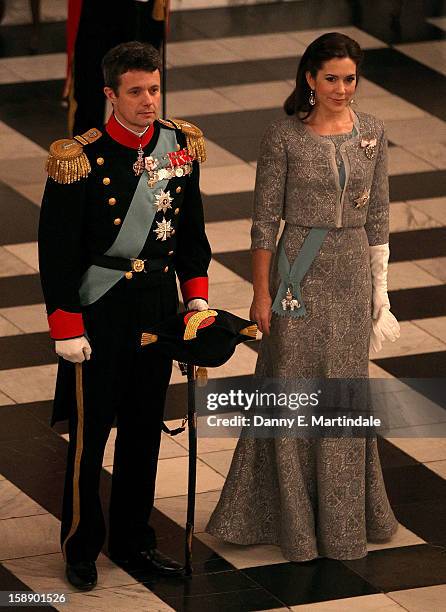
[207,338]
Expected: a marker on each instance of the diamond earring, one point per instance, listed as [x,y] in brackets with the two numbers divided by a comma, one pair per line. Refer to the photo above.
[312,99]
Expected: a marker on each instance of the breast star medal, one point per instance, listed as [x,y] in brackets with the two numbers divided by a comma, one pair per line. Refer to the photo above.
[289,302]
[164,229]
[369,146]
[163,201]
[363,199]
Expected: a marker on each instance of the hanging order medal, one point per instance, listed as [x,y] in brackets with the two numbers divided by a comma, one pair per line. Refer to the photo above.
[179,164]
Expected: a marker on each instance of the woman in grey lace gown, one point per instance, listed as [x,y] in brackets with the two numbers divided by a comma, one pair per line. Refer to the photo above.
[323,166]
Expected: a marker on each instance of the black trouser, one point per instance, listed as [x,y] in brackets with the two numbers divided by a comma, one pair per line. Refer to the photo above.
[124,381]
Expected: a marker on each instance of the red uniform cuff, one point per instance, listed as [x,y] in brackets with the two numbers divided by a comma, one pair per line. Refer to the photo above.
[195,288]
[65,325]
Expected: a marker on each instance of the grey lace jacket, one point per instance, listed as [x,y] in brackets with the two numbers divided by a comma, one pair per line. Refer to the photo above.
[298,180]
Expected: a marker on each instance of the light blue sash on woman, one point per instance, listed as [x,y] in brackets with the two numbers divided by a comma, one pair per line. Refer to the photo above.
[292,275]
[133,233]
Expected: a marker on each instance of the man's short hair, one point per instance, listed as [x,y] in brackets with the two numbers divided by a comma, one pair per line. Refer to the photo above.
[128,56]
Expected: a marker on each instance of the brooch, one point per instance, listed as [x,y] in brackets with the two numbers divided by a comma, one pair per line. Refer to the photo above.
[289,302]
[164,229]
[363,199]
[163,201]
[369,146]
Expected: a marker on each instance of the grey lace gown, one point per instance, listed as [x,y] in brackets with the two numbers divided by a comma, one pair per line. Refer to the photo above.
[313,497]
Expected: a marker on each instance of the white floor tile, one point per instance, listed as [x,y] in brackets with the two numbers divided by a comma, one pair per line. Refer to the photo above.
[27,252]
[244,556]
[413,132]
[10,265]
[40,383]
[254,96]
[365,40]
[404,162]
[172,477]
[225,236]
[220,274]
[431,53]
[424,599]
[237,294]
[389,107]
[220,461]
[32,192]
[199,52]
[14,503]
[435,266]
[7,328]
[434,207]
[227,179]
[403,537]
[365,603]
[135,597]
[264,46]
[175,508]
[29,536]
[42,67]
[408,275]
[422,449]
[217,156]
[433,153]
[435,326]
[405,217]
[46,573]
[439,467]
[199,101]
[413,341]
[29,319]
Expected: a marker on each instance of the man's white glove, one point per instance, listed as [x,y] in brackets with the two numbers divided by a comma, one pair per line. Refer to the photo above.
[75,350]
[198,304]
[384,324]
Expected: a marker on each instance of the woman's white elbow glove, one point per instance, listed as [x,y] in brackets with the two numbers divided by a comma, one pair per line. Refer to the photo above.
[384,324]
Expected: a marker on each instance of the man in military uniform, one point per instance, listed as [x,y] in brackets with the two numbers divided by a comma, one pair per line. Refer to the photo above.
[121,213]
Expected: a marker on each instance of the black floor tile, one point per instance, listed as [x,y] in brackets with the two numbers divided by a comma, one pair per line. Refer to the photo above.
[412,484]
[237,261]
[15,39]
[19,217]
[419,303]
[407,78]
[202,584]
[11,584]
[176,402]
[26,350]
[17,423]
[397,22]
[391,456]
[34,110]
[20,290]
[417,186]
[423,365]
[406,567]
[418,244]
[309,582]
[425,518]
[254,599]
[228,206]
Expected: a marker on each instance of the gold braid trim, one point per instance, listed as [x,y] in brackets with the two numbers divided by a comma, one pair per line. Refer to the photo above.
[67,162]
[194,322]
[250,331]
[148,339]
[194,137]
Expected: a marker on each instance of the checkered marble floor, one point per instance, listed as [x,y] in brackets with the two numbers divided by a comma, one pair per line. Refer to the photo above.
[231,64]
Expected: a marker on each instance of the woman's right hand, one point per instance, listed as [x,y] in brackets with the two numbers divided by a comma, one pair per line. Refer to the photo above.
[260,312]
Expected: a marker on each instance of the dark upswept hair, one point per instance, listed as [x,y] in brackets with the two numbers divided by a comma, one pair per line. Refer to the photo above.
[127,56]
[326,47]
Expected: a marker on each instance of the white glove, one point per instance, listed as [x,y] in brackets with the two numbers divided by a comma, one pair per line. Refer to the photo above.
[75,350]
[198,304]
[384,324]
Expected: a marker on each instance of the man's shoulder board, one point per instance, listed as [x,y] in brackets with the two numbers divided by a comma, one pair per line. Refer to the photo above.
[194,137]
[67,162]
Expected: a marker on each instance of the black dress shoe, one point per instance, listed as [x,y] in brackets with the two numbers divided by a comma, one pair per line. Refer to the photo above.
[82,575]
[152,560]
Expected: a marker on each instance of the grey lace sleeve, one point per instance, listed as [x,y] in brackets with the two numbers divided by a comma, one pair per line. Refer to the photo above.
[377,222]
[269,190]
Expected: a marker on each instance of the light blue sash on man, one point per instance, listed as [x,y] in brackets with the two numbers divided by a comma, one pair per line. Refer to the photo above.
[134,231]
[292,275]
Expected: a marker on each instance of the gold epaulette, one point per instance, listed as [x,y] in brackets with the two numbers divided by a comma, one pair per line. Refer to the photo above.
[194,137]
[67,162]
